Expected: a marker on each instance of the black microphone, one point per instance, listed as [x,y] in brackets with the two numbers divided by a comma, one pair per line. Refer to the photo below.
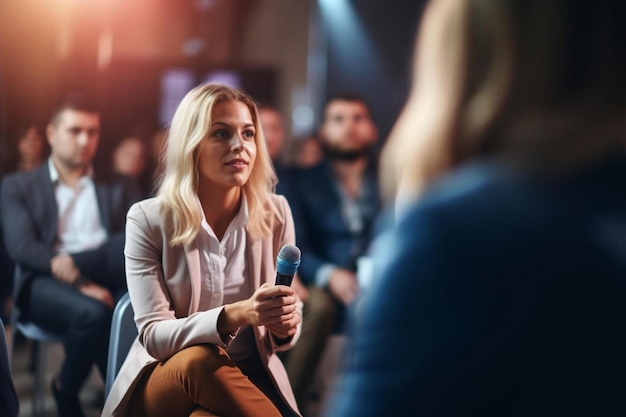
[287,263]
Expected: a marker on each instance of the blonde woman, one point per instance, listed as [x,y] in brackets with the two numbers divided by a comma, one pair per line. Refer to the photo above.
[501,290]
[200,265]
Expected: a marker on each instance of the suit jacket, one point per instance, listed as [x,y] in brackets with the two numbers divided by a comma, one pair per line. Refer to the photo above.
[508,292]
[30,218]
[164,286]
[323,234]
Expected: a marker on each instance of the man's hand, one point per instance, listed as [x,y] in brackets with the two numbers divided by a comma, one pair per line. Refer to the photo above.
[94,290]
[64,269]
[343,285]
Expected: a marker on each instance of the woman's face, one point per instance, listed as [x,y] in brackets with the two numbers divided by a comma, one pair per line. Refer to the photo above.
[31,145]
[129,157]
[227,155]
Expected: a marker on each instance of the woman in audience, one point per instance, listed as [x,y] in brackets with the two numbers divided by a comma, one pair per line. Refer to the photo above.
[501,290]
[200,265]
[130,157]
[307,152]
[30,152]
[31,149]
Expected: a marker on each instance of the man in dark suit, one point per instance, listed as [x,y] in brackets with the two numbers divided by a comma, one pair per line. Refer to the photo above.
[64,229]
[335,204]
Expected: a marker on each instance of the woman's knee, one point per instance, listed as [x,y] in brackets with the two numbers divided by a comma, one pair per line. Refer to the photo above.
[200,361]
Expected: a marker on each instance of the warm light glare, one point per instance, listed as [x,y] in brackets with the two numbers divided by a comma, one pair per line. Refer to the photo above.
[105,50]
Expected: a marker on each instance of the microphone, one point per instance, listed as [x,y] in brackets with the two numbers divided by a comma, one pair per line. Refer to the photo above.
[287,263]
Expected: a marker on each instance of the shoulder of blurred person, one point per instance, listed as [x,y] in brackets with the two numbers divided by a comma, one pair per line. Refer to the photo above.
[500,289]
[490,250]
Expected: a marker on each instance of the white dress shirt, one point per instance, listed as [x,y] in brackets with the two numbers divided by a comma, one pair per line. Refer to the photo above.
[224,270]
[79,224]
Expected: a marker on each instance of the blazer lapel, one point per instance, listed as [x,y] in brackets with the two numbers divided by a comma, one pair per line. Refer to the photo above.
[193,264]
[102,196]
[50,201]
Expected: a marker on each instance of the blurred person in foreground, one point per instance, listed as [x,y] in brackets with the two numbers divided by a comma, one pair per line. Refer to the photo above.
[501,290]
[201,266]
[64,227]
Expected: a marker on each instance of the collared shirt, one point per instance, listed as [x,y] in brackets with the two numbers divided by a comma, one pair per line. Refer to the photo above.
[223,268]
[79,225]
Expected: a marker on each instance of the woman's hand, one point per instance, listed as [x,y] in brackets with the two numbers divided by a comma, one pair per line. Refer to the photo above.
[273,306]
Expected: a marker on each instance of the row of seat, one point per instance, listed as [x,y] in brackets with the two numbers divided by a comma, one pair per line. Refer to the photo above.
[123,333]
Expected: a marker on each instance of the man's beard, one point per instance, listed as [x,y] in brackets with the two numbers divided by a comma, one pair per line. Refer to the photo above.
[346,155]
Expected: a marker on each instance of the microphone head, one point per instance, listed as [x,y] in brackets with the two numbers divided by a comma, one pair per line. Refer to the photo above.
[288,260]
[289,253]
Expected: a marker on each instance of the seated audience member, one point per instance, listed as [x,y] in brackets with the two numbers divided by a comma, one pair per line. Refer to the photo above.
[501,291]
[335,204]
[307,152]
[200,265]
[275,138]
[30,153]
[156,148]
[64,228]
[130,158]
[31,149]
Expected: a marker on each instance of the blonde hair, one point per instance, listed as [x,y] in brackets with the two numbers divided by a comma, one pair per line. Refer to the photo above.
[538,82]
[178,190]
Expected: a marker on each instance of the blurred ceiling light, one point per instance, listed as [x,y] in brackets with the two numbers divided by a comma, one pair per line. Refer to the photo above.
[105,49]
[193,46]
[205,4]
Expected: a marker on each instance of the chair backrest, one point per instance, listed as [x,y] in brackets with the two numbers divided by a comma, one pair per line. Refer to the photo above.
[123,333]
[29,330]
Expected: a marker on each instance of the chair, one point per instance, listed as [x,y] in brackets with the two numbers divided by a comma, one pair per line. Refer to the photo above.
[43,338]
[123,333]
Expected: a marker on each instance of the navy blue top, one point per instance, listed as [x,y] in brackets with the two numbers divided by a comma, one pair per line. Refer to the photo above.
[497,294]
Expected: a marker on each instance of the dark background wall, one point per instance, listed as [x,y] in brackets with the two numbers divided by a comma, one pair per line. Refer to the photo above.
[370,45]
[280,47]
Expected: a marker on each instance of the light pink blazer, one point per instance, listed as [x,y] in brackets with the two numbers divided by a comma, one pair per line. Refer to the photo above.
[164,287]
